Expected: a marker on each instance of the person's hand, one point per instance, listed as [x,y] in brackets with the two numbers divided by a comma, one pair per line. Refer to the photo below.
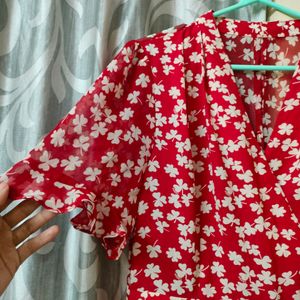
[11,236]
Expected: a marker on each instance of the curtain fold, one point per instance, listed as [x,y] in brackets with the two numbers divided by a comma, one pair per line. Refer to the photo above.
[50,53]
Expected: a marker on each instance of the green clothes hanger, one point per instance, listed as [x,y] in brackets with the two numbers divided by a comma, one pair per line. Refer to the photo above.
[269,3]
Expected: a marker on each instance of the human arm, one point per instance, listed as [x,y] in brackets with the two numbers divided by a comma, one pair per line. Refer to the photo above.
[11,235]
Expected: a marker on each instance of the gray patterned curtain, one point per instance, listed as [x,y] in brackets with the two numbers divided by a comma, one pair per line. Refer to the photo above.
[51,51]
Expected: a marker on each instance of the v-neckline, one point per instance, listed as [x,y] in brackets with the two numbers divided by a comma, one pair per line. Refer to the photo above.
[223,62]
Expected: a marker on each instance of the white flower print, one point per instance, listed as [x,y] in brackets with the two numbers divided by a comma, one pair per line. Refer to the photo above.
[171,170]
[290,104]
[118,202]
[39,177]
[109,159]
[193,91]
[153,50]
[246,176]
[157,89]
[160,120]
[165,59]
[107,86]
[282,250]
[91,173]
[230,45]
[162,288]
[54,203]
[260,168]
[109,116]
[143,207]
[174,255]
[285,128]
[156,214]
[247,273]
[205,207]
[81,143]
[195,57]
[235,257]
[273,233]
[288,234]
[286,278]
[175,216]
[153,250]
[185,244]
[114,137]
[71,163]
[79,121]
[177,286]
[296,296]
[283,60]
[170,47]
[275,295]
[249,191]
[37,194]
[132,276]
[58,137]
[183,271]
[151,184]
[143,80]
[253,99]
[132,98]
[136,249]
[282,94]
[248,54]
[47,162]
[273,49]
[100,99]
[208,290]
[228,287]
[221,172]
[72,196]
[113,66]
[98,128]
[218,269]
[267,277]
[297,194]
[255,286]
[143,231]
[275,164]
[289,143]
[161,225]
[174,92]
[133,134]
[103,209]
[264,262]
[180,186]
[277,210]
[126,168]
[152,271]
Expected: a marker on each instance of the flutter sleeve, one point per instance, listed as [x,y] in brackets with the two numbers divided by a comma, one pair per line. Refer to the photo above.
[96,156]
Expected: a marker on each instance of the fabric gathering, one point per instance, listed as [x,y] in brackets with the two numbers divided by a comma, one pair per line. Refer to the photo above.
[192,165]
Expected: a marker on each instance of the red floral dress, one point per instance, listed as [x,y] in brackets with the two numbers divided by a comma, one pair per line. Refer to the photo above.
[193,165]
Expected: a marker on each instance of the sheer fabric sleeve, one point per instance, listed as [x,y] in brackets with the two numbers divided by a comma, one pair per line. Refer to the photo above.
[96,156]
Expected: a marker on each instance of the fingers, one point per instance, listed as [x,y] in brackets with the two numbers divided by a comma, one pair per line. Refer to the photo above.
[3,195]
[20,212]
[32,225]
[37,242]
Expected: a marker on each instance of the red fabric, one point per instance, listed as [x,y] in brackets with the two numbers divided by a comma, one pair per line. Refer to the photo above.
[205,183]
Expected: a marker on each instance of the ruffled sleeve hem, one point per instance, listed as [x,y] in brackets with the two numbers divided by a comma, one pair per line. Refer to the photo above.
[113,241]
[63,195]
